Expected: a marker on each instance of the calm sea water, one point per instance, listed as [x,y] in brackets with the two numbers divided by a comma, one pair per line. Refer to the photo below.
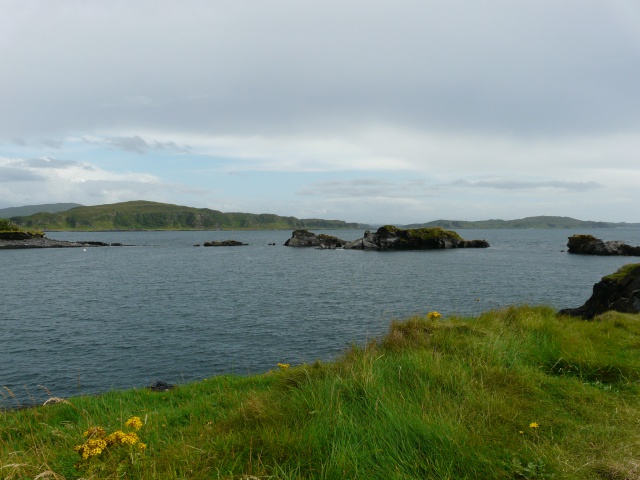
[78,321]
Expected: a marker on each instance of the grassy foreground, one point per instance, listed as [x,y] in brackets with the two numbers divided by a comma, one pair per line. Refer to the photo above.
[512,394]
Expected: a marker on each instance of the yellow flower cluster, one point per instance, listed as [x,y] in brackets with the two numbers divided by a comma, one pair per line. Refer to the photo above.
[134,422]
[119,437]
[283,366]
[434,315]
[533,425]
[98,440]
[91,448]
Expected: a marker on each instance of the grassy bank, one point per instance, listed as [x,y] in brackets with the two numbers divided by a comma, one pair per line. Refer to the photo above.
[513,394]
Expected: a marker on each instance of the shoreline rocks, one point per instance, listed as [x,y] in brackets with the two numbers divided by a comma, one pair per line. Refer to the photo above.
[21,240]
[590,245]
[619,291]
[389,237]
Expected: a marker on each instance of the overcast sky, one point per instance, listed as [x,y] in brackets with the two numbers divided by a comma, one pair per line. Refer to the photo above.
[369,111]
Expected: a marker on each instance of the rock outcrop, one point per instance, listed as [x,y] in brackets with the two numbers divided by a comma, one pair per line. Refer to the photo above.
[619,291]
[590,245]
[305,238]
[393,238]
[224,243]
[17,240]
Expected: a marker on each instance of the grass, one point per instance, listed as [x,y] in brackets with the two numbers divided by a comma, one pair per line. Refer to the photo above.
[622,272]
[519,393]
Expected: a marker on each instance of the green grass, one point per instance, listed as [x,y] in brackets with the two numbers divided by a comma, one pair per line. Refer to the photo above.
[452,398]
[622,272]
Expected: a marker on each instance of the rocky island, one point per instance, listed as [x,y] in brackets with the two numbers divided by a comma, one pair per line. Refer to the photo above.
[393,238]
[224,243]
[305,238]
[590,245]
[388,238]
[619,291]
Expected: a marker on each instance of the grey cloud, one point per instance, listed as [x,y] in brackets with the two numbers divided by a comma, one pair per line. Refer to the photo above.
[136,144]
[509,184]
[55,144]
[364,187]
[9,174]
[21,142]
[48,162]
[515,68]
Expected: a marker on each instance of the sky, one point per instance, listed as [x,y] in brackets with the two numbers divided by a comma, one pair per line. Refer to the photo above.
[370,111]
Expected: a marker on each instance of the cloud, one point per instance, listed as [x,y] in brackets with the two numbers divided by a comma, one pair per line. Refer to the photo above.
[504,68]
[49,163]
[10,175]
[134,144]
[511,184]
[371,188]
[65,180]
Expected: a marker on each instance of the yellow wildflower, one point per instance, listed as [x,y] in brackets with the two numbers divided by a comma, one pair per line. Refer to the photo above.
[93,447]
[283,366]
[134,422]
[434,315]
[115,437]
[130,439]
[142,446]
[533,425]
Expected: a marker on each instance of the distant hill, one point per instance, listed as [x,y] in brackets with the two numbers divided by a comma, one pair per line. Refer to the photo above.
[143,215]
[32,209]
[528,222]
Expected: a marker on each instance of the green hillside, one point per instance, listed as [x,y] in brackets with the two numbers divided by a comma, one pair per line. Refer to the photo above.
[32,209]
[527,222]
[144,215]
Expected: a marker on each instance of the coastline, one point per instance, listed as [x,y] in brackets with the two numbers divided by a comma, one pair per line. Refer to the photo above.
[42,242]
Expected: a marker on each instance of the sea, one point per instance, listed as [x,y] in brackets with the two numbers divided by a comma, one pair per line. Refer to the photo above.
[81,321]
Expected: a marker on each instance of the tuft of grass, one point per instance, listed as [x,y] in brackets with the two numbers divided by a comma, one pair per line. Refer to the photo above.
[518,393]
[622,272]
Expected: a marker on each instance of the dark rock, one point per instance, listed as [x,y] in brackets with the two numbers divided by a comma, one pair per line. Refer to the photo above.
[590,245]
[305,238]
[393,238]
[224,243]
[619,291]
[161,386]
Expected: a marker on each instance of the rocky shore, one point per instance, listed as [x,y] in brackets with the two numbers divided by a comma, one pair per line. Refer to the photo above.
[619,291]
[19,240]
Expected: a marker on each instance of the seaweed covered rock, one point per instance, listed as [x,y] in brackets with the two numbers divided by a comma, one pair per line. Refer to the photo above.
[305,238]
[590,245]
[393,238]
[619,291]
